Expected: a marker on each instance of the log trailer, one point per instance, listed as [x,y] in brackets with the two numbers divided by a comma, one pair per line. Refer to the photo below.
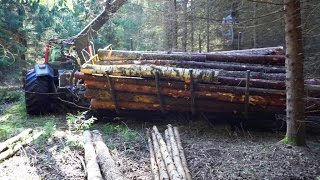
[240,81]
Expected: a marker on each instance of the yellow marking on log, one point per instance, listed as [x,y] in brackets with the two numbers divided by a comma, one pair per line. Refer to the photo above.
[87,71]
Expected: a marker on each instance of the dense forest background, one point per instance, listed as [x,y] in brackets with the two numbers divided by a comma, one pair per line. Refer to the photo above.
[170,25]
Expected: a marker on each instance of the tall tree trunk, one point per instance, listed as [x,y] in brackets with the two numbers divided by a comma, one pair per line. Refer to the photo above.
[168,25]
[294,74]
[208,26]
[185,25]
[254,25]
[192,25]
[174,26]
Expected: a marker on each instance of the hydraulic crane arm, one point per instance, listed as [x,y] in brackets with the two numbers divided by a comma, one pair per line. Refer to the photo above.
[82,40]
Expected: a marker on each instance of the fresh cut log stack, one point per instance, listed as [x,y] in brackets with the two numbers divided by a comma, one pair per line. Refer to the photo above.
[250,80]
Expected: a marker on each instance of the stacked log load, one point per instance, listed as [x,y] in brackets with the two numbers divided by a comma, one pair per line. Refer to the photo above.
[228,81]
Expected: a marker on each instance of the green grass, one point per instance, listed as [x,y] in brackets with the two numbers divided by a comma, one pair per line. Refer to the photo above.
[119,129]
[15,119]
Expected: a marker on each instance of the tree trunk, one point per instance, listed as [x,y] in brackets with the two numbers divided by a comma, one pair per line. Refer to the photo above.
[185,25]
[294,71]
[195,64]
[254,35]
[154,166]
[108,167]
[181,152]
[163,173]
[208,26]
[192,25]
[175,26]
[92,166]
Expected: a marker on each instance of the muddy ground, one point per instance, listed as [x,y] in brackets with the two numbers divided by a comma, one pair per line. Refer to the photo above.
[213,151]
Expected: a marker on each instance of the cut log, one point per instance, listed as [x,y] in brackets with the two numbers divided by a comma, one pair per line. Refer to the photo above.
[175,153]
[20,137]
[177,97]
[167,138]
[108,167]
[194,64]
[203,106]
[256,51]
[149,71]
[127,55]
[154,166]
[250,59]
[93,170]
[182,74]
[181,153]
[230,81]
[163,173]
[171,168]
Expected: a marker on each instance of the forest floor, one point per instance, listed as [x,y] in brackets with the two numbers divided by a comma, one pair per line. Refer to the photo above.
[212,151]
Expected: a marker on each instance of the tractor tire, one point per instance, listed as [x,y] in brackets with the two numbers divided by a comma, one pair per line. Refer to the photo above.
[36,99]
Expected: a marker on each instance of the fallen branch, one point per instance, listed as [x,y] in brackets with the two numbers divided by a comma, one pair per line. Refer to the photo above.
[20,137]
[17,146]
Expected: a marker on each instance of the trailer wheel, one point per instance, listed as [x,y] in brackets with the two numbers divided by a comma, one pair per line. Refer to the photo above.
[37,102]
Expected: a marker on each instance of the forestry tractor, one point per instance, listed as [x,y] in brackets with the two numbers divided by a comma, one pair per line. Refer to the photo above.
[54,80]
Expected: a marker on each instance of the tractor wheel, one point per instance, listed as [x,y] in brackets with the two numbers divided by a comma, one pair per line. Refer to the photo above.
[36,87]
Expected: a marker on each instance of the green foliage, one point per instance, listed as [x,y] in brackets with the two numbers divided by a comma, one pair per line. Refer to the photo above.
[9,96]
[119,129]
[77,122]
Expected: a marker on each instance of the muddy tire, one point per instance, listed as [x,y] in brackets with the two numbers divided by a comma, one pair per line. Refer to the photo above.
[37,102]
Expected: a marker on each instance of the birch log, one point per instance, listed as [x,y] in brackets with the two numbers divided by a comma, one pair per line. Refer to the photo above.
[163,173]
[167,138]
[181,74]
[92,166]
[181,153]
[175,153]
[154,166]
[108,167]
[172,170]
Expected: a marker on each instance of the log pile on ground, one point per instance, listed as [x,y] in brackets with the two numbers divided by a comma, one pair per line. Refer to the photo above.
[167,156]
[11,146]
[228,81]
[99,162]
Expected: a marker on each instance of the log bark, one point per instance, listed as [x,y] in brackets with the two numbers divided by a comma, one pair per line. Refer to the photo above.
[203,106]
[177,97]
[148,87]
[256,59]
[181,74]
[163,173]
[135,55]
[172,73]
[20,137]
[154,166]
[175,153]
[108,167]
[296,131]
[92,166]
[167,138]
[172,170]
[194,64]
[181,153]
[230,81]
[255,51]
